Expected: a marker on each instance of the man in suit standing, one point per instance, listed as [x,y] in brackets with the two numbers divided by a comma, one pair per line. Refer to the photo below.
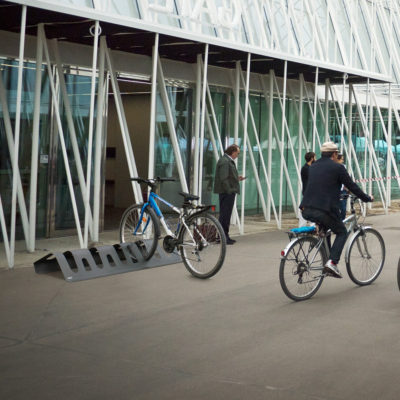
[226,184]
[321,200]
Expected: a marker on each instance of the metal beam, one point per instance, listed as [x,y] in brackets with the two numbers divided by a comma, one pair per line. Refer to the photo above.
[15,167]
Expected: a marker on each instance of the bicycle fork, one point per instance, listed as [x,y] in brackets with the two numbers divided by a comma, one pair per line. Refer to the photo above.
[365,253]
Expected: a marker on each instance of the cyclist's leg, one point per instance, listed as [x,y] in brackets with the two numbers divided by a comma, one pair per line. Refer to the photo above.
[333,222]
[338,228]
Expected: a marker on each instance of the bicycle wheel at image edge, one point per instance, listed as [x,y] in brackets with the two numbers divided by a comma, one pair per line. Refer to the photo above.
[398,274]
[300,271]
[202,245]
[146,236]
[365,257]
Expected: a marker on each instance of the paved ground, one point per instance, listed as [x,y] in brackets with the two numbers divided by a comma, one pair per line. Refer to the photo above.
[161,334]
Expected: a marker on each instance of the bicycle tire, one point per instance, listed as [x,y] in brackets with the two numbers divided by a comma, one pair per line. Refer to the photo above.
[202,245]
[364,266]
[148,232]
[398,274]
[298,281]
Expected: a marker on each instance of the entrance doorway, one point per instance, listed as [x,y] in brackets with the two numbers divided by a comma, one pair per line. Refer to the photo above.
[118,193]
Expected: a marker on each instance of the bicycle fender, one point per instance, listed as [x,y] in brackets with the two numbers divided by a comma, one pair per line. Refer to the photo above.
[285,250]
[353,237]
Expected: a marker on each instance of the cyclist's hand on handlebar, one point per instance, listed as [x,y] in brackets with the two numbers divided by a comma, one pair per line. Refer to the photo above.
[372,198]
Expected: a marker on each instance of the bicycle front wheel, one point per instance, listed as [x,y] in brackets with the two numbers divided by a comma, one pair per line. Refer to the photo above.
[300,272]
[366,256]
[202,245]
[143,231]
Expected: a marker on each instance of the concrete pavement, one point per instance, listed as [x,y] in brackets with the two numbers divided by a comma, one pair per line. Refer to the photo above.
[161,334]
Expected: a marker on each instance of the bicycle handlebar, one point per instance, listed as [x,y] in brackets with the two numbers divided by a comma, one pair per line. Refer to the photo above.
[152,182]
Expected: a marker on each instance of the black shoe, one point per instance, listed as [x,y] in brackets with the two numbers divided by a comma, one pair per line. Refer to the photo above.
[230,241]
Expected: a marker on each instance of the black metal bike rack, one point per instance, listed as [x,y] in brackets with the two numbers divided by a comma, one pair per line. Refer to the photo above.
[95,262]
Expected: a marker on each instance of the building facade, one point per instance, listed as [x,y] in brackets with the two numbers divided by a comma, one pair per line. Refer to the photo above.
[93,92]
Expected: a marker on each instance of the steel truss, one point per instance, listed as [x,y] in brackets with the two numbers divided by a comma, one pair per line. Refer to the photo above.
[323,101]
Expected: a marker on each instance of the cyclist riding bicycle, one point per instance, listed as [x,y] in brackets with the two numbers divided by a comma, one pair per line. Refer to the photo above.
[320,202]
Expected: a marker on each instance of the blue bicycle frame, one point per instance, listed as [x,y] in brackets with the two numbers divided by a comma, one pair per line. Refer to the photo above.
[153,204]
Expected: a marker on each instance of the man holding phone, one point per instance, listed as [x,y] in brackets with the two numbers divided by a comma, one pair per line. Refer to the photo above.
[226,184]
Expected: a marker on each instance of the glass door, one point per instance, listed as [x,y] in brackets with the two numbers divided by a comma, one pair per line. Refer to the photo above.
[61,213]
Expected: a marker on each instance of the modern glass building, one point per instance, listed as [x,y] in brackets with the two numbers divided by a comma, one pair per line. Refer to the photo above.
[95,91]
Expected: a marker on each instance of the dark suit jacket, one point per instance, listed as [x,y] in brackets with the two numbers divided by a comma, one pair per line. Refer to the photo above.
[226,176]
[325,179]
[304,176]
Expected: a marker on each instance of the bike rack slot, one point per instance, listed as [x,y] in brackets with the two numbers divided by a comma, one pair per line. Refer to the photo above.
[99,261]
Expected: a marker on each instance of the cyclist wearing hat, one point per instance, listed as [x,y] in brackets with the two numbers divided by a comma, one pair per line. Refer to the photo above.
[320,202]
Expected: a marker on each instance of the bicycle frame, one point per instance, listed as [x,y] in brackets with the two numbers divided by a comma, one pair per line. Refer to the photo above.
[153,204]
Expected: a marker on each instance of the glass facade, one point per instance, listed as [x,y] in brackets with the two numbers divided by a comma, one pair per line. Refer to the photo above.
[78,89]
[54,206]
[9,76]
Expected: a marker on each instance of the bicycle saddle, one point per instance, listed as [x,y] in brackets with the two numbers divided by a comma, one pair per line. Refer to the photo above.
[189,196]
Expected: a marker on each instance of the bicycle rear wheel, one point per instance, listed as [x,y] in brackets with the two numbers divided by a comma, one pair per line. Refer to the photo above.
[366,256]
[202,245]
[144,232]
[300,272]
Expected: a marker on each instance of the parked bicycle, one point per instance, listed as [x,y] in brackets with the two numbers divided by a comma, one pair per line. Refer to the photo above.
[302,261]
[198,236]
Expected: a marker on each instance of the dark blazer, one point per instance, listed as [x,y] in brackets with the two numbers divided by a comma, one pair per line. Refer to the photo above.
[325,179]
[226,176]
[304,176]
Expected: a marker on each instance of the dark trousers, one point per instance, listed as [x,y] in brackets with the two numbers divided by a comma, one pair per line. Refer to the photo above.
[226,202]
[329,221]
[343,205]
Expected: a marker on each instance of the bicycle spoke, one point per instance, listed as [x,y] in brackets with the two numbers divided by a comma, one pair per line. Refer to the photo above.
[300,271]
[366,257]
[201,246]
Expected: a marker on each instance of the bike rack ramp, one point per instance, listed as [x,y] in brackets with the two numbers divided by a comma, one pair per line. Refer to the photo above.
[96,262]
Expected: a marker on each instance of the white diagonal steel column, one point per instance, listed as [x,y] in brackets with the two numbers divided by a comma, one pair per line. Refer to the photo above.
[282,145]
[90,133]
[235,214]
[343,116]
[390,156]
[101,94]
[197,127]
[15,167]
[315,109]
[237,102]
[270,96]
[203,112]
[311,108]
[10,143]
[215,122]
[171,127]
[246,112]
[68,115]
[152,134]
[350,130]
[212,137]
[389,153]
[35,146]
[300,184]
[61,136]
[287,131]
[247,141]
[130,158]
[374,164]
[5,234]
[326,110]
